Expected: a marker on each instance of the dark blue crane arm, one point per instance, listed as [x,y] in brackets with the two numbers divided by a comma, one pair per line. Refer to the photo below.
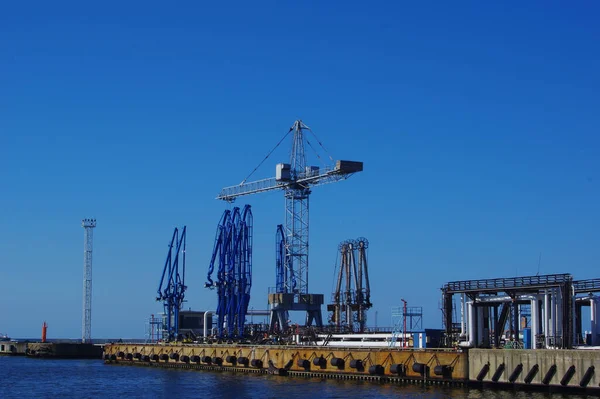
[248,219]
[247,214]
[217,248]
[167,266]
[184,238]
[174,277]
[234,239]
[280,259]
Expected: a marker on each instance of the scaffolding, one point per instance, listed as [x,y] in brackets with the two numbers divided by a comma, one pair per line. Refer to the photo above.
[154,329]
[405,320]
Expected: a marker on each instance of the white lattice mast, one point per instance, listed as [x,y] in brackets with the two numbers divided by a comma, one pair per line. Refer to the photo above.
[86,320]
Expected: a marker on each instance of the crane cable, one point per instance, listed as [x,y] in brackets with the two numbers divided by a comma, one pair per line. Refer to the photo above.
[321,144]
[315,151]
[270,152]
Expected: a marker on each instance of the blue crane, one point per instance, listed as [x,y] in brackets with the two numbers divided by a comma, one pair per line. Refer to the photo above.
[171,289]
[232,255]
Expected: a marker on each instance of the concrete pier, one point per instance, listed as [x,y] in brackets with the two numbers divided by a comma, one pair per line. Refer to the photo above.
[432,366]
[13,348]
[64,350]
[544,368]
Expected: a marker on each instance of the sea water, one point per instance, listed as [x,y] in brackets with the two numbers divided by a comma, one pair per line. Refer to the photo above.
[22,377]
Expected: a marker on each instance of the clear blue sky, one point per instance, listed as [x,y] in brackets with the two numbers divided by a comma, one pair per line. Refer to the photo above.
[478,124]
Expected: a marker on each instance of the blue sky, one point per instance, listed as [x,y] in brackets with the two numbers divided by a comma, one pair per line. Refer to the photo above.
[477,123]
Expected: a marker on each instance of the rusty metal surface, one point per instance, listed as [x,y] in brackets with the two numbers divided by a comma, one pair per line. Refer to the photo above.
[288,357]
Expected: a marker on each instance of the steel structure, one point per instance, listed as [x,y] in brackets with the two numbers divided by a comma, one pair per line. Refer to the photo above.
[586,286]
[154,329]
[232,254]
[88,240]
[285,281]
[350,303]
[399,323]
[296,180]
[586,292]
[487,306]
[171,289]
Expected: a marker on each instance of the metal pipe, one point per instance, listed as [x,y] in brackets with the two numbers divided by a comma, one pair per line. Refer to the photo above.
[494,299]
[573,309]
[258,312]
[593,319]
[553,315]
[558,331]
[462,315]
[547,318]
[206,321]
[502,299]
[480,335]
[471,325]
[534,322]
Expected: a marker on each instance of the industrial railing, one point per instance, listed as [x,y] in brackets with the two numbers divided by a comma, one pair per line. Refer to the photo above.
[501,284]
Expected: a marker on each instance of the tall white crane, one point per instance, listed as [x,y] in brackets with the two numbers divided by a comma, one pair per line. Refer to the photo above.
[295,179]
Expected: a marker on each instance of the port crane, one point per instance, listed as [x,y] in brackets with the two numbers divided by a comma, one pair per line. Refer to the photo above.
[296,180]
[171,289]
[351,302]
[232,255]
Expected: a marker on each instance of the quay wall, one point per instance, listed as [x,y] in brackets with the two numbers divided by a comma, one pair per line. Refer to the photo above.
[421,365]
[64,350]
[550,368]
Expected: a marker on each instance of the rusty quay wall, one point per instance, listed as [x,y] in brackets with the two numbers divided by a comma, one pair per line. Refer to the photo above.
[429,366]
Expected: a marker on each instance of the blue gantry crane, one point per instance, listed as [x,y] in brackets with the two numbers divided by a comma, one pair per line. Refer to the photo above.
[232,255]
[171,290]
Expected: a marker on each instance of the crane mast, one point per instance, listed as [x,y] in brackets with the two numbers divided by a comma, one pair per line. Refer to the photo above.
[296,180]
[296,214]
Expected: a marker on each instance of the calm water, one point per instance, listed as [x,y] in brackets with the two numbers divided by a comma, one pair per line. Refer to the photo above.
[22,377]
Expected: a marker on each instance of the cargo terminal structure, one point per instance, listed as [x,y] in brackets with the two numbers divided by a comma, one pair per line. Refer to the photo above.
[533,331]
[484,348]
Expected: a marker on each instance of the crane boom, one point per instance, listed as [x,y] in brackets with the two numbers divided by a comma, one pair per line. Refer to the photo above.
[341,171]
